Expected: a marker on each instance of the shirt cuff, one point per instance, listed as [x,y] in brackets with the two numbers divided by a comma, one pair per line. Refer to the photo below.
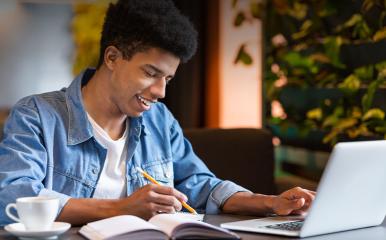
[62,197]
[220,194]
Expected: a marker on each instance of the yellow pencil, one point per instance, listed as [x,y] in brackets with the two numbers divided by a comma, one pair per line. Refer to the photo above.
[151,179]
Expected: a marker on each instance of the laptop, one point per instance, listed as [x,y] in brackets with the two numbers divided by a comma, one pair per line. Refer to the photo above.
[351,194]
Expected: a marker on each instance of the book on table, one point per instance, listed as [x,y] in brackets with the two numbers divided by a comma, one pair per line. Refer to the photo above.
[161,226]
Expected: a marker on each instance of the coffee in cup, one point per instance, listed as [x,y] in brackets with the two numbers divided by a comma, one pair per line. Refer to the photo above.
[36,213]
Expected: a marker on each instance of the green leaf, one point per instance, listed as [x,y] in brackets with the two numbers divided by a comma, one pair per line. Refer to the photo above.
[243,56]
[365,72]
[374,113]
[240,18]
[350,84]
[362,31]
[361,130]
[315,113]
[332,49]
[367,5]
[367,99]
[381,68]
[304,30]
[331,137]
[332,119]
[355,19]
[328,9]
[382,17]
[346,123]
[381,129]
[299,10]
[320,57]
[339,128]
[295,59]
[380,34]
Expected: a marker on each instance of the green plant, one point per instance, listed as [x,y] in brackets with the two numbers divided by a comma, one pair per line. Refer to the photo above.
[86,28]
[305,46]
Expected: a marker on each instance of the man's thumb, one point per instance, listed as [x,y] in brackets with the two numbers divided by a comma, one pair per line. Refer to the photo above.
[298,203]
[295,204]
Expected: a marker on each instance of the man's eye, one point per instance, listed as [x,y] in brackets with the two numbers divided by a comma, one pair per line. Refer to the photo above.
[148,74]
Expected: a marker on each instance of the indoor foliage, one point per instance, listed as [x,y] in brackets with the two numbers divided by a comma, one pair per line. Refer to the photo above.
[330,55]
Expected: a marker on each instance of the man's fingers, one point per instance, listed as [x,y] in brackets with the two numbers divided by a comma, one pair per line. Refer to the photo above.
[166,190]
[160,208]
[166,200]
[295,204]
[312,192]
[297,193]
[295,201]
[303,193]
[289,206]
[299,212]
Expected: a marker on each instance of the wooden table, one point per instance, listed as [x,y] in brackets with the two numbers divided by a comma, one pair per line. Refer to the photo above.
[373,233]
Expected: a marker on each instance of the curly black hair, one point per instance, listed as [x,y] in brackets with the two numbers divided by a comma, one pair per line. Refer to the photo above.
[136,25]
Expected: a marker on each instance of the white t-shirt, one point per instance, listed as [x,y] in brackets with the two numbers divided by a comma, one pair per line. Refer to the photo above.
[112,181]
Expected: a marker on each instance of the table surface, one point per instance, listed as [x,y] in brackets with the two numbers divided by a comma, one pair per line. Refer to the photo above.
[374,233]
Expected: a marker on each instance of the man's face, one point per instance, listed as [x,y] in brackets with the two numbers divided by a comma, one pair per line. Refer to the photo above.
[139,82]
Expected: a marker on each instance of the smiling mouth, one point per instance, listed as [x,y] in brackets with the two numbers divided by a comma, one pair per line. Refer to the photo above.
[145,101]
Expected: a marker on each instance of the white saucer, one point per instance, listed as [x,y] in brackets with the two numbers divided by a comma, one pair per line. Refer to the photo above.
[19,230]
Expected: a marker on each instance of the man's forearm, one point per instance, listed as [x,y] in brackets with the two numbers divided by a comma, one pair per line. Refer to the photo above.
[249,203]
[83,210]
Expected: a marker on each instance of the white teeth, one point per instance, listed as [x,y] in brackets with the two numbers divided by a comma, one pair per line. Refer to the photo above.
[144,101]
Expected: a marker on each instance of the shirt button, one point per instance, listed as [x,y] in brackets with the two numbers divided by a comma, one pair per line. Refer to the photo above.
[95,171]
[168,174]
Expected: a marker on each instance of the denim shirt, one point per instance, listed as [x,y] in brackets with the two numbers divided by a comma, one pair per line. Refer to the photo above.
[49,149]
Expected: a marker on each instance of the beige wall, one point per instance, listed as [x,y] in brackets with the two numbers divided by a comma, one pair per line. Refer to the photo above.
[238,88]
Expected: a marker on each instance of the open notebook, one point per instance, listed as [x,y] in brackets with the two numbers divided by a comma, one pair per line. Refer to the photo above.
[161,226]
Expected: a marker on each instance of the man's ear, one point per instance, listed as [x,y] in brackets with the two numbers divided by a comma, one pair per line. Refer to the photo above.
[111,55]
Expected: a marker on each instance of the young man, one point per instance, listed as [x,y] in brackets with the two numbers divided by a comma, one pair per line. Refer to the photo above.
[83,144]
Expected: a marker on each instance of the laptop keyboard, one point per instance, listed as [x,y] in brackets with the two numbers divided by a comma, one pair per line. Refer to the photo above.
[290,226]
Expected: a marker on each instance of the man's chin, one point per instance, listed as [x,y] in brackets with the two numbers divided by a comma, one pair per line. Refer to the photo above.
[134,114]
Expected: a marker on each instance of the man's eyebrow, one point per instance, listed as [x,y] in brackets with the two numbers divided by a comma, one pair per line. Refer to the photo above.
[157,70]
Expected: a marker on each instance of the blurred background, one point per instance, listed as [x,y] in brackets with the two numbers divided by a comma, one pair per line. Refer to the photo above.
[311,72]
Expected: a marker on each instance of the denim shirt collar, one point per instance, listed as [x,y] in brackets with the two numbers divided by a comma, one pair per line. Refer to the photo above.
[79,127]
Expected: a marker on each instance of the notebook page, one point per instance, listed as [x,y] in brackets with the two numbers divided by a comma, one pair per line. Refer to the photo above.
[119,225]
[167,222]
[197,217]
[180,226]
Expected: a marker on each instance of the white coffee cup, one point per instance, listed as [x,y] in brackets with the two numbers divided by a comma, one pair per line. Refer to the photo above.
[36,213]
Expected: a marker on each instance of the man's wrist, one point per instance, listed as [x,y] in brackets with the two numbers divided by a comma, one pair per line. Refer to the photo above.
[79,211]
[268,202]
[250,203]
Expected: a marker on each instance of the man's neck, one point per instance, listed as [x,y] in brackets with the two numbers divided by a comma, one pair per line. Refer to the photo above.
[99,106]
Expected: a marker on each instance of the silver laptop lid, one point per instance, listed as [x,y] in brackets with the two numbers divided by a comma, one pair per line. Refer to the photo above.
[352,191]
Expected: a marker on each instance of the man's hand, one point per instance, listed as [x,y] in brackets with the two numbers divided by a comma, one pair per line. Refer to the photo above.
[294,201]
[145,203]
[151,200]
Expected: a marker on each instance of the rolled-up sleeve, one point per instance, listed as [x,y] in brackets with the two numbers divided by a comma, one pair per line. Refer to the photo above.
[220,194]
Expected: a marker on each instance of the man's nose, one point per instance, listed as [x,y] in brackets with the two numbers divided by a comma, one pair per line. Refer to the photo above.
[158,89]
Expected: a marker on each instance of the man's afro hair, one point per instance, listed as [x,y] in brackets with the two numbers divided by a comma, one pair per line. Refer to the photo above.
[135,25]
